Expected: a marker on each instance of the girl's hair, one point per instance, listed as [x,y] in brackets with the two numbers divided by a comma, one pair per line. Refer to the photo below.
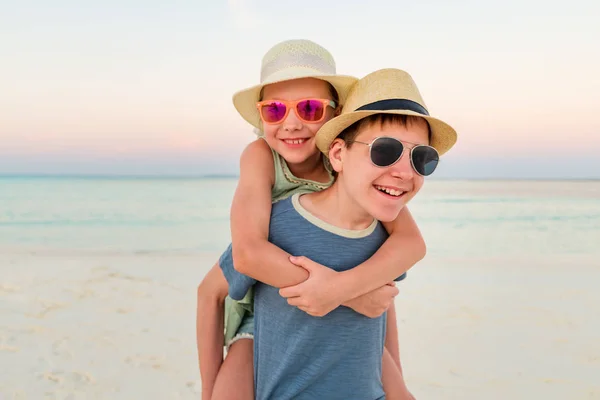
[334,94]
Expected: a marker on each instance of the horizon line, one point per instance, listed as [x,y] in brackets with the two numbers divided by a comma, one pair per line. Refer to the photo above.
[236,176]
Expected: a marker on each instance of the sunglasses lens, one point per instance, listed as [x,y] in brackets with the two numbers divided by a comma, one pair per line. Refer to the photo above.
[425,159]
[310,110]
[386,151]
[273,112]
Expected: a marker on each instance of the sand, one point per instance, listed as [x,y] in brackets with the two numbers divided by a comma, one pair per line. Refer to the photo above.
[122,326]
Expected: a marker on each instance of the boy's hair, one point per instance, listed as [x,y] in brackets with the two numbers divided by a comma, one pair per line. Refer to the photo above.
[349,134]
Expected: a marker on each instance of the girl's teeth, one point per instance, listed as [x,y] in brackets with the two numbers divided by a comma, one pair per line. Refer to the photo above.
[297,141]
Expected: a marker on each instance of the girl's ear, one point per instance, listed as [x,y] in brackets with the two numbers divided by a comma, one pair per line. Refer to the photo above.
[336,150]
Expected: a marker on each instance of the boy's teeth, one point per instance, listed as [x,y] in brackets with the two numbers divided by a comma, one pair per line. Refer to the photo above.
[389,191]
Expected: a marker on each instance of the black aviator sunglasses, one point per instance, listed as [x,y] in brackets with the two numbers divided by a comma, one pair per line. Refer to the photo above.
[386,151]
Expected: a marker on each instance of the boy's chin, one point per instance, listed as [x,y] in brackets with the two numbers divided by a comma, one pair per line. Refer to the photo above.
[387,214]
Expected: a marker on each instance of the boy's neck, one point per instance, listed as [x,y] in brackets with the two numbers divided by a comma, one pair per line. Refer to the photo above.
[334,206]
[312,168]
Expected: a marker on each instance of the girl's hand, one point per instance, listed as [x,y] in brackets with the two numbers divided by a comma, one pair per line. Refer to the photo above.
[319,294]
[375,303]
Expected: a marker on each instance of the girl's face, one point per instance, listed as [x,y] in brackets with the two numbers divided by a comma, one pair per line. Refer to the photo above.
[294,136]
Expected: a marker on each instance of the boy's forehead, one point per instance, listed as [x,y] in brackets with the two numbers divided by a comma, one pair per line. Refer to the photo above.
[414,131]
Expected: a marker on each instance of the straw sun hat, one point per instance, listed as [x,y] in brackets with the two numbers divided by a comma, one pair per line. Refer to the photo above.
[386,91]
[292,59]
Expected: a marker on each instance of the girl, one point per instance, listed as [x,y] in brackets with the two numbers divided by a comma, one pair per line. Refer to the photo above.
[299,92]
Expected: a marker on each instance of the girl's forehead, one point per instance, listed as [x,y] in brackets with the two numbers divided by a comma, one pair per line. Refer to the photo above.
[297,88]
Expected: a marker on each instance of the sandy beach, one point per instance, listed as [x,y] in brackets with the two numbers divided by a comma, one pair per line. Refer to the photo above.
[81,325]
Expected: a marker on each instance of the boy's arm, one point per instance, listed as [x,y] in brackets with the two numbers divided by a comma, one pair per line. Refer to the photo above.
[209,328]
[393,348]
[391,335]
[253,255]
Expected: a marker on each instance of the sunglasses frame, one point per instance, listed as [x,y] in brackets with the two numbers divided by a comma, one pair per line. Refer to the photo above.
[292,104]
[404,147]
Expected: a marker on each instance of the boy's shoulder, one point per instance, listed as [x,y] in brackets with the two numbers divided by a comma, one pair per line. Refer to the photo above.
[287,214]
[283,208]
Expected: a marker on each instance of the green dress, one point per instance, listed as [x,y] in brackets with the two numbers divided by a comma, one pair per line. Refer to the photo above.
[286,184]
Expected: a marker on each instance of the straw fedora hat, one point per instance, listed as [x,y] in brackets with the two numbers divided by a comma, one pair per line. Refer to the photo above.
[386,91]
[291,59]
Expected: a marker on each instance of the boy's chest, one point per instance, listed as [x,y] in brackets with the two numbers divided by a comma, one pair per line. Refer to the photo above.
[333,251]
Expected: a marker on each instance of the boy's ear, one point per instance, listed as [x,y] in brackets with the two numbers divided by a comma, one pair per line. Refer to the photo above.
[336,150]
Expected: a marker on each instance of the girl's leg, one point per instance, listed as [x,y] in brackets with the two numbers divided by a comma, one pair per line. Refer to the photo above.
[236,376]
[209,327]
[393,381]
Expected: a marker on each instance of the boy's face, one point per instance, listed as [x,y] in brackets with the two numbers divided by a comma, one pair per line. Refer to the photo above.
[293,138]
[383,191]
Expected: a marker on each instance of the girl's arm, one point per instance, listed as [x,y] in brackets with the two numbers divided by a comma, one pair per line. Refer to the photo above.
[326,290]
[253,254]
[256,257]
[402,249]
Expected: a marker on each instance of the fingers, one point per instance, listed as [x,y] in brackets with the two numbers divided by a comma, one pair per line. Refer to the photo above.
[305,309]
[306,263]
[310,311]
[290,291]
[300,261]
[391,291]
[299,303]
[296,302]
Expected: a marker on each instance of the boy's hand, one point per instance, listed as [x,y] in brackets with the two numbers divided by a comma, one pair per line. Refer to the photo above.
[375,303]
[318,295]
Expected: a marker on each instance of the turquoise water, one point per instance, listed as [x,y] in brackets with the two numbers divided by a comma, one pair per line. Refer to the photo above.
[457,218]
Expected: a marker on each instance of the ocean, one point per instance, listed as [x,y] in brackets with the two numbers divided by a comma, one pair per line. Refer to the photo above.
[457,218]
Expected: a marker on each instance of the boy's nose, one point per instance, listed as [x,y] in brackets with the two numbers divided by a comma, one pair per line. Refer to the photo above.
[403,168]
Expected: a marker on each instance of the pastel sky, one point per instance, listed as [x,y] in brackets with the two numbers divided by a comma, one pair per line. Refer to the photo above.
[144,87]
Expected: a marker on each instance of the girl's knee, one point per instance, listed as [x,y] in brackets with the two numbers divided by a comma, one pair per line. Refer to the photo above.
[213,287]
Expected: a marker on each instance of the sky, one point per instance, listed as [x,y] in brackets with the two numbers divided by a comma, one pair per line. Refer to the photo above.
[137,87]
